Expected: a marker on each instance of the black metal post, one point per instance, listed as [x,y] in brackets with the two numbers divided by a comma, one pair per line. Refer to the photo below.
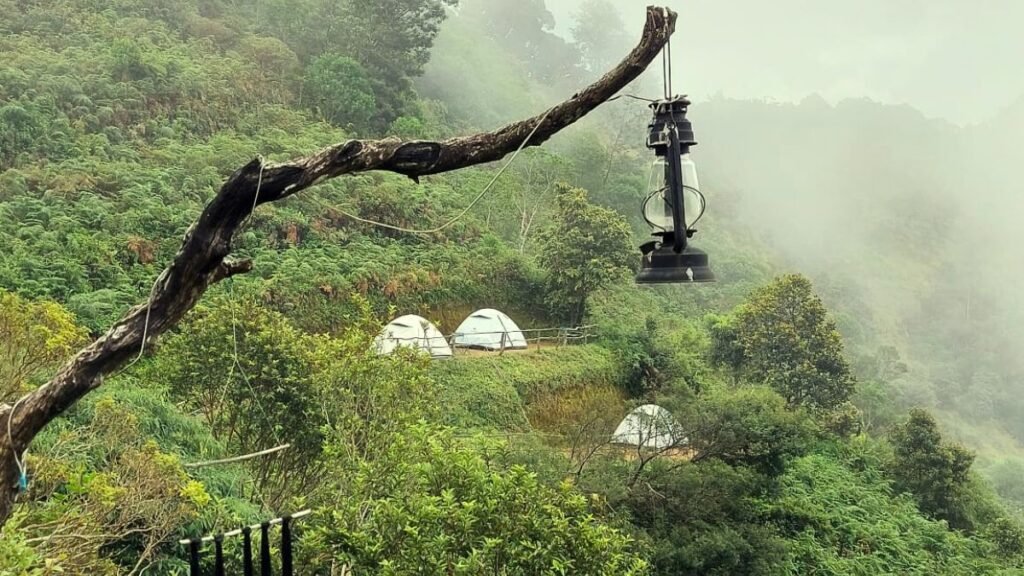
[674,166]
[286,546]
[247,552]
[218,555]
[193,556]
[265,568]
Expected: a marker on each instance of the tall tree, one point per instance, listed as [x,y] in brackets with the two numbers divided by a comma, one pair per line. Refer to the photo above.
[203,259]
[526,29]
[586,247]
[782,336]
[599,34]
[933,471]
[537,179]
[392,40]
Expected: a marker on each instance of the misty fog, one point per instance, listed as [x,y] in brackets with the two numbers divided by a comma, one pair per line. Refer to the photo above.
[951,59]
[873,146]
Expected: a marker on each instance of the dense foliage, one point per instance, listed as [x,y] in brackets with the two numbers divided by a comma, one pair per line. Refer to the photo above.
[119,119]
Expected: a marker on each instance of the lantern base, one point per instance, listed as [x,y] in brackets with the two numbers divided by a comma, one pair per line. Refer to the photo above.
[664,266]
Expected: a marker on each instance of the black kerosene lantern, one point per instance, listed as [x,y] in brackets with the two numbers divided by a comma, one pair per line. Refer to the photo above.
[675,203]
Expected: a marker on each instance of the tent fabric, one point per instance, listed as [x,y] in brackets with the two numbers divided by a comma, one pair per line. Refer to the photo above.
[487,329]
[649,426]
[414,332]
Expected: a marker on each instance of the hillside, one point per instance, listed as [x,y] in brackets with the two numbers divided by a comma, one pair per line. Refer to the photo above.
[791,381]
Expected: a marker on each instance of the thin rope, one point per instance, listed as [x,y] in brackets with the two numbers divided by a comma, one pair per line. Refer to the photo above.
[664,74]
[145,324]
[237,458]
[633,96]
[19,462]
[668,49]
[152,290]
[236,363]
[256,198]
[465,211]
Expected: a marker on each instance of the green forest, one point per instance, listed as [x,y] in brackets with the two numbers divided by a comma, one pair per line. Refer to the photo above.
[832,421]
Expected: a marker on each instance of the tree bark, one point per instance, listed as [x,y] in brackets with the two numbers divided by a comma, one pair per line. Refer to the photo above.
[203,259]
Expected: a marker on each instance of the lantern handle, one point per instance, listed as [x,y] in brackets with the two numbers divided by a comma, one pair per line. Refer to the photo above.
[674,167]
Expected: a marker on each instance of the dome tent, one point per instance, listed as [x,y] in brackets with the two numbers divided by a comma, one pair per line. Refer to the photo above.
[649,426]
[415,332]
[489,329]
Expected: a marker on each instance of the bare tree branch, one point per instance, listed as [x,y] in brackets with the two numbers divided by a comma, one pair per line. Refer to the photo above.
[201,260]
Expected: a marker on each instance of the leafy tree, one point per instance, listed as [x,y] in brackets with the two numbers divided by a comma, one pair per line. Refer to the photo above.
[339,89]
[878,405]
[537,181]
[1005,477]
[369,398]
[935,472]
[250,373]
[35,337]
[725,348]
[586,247]
[789,342]
[1008,537]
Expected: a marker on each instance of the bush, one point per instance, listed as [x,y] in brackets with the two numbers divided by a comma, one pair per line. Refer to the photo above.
[842,522]
[703,520]
[430,506]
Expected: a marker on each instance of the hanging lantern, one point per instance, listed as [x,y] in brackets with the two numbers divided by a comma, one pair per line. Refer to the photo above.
[674,203]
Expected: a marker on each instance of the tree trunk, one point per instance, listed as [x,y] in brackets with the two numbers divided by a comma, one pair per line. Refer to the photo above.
[203,259]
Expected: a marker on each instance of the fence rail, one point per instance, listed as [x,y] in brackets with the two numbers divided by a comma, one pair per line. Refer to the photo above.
[195,546]
[501,341]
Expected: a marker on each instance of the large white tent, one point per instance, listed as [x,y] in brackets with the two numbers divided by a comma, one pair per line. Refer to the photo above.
[489,329]
[649,426]
[415,332]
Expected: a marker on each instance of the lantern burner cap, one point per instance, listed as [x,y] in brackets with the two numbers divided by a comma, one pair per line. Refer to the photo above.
[663,265]
[668,113]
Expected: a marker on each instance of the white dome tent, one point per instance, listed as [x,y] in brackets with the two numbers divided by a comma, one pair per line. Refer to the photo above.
[414,332]
[491,330]
[649,426]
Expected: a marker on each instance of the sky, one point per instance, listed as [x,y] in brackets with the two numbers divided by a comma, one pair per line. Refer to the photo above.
[958,60]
